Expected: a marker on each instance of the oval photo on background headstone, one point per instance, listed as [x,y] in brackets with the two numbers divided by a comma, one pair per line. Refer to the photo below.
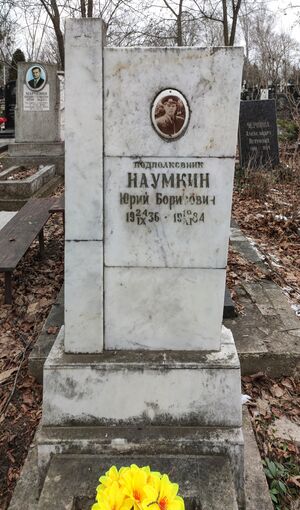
[36,77]
[170,114]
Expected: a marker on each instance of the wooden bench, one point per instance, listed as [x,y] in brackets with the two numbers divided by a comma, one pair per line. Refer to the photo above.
[58,206]
[18,234]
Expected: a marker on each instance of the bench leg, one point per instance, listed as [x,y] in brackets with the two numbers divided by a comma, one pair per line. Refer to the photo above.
[8,293]
[41,241]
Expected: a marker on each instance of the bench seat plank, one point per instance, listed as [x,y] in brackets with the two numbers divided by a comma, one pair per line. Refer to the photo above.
[59,204]
[18,234]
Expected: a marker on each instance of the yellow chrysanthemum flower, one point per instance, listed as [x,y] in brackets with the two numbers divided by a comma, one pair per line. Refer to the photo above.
[154,478]
[111,498]
[111,476]
[163,496]
[135,488]
[133,482]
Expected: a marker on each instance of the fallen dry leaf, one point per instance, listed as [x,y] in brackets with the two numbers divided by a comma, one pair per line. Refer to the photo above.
[287,383]
[10,456]
[277,391]
[263,407]
[32,308]
[6,374]
[52,330]
[295,480]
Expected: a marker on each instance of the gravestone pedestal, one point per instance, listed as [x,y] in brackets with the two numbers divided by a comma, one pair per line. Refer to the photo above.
[143,365]
[175,402]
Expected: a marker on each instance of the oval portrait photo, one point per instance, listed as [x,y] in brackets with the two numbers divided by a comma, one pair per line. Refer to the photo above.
[36,77]
[170,114]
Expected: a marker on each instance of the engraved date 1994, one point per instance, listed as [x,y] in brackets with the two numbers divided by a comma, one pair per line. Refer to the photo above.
[188,217]
[185,217]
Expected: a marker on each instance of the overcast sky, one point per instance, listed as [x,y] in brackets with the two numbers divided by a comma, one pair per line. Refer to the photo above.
[287,19]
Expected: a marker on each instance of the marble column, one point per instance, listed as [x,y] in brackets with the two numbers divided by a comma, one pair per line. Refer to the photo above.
[84,190]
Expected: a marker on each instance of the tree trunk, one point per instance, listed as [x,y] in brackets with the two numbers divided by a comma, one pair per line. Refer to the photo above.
[225,23]
[60,44]
[82,8]
[55,18]
[90,9]
[179,25]
[236,10]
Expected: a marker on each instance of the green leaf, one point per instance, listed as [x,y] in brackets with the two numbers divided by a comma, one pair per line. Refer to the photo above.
[273,498]
[279,467]
[282,487]
[274,484]
[272,468]
[274,491]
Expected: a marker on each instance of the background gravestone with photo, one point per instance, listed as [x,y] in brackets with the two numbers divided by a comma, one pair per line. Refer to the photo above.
[37,110]
[258,141]
[37,117]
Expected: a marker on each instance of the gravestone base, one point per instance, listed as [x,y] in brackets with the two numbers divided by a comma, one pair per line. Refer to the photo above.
[200,388]
[43,153]
[145,402]
[205,482]
[127,445]
[7,133]
[36,149]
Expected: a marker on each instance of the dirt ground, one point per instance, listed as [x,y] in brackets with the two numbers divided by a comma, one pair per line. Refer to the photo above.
[36,283]
[266,207]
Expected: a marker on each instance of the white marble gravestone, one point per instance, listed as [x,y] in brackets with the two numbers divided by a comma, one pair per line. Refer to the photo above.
[148,203]
[166,202]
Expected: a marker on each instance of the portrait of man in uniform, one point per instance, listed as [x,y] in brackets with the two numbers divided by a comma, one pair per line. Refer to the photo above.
[170,115]
[37,80]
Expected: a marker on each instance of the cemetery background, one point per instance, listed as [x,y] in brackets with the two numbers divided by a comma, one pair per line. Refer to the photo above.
[271,200]
[267,31]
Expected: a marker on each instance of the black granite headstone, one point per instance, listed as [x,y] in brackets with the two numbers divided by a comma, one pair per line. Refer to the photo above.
[10,104]
[258,134]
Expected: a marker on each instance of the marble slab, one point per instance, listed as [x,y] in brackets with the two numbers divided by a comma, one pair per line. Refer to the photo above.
[158,308]
[167,217]
[83,296]
[83,130]
[210,81]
